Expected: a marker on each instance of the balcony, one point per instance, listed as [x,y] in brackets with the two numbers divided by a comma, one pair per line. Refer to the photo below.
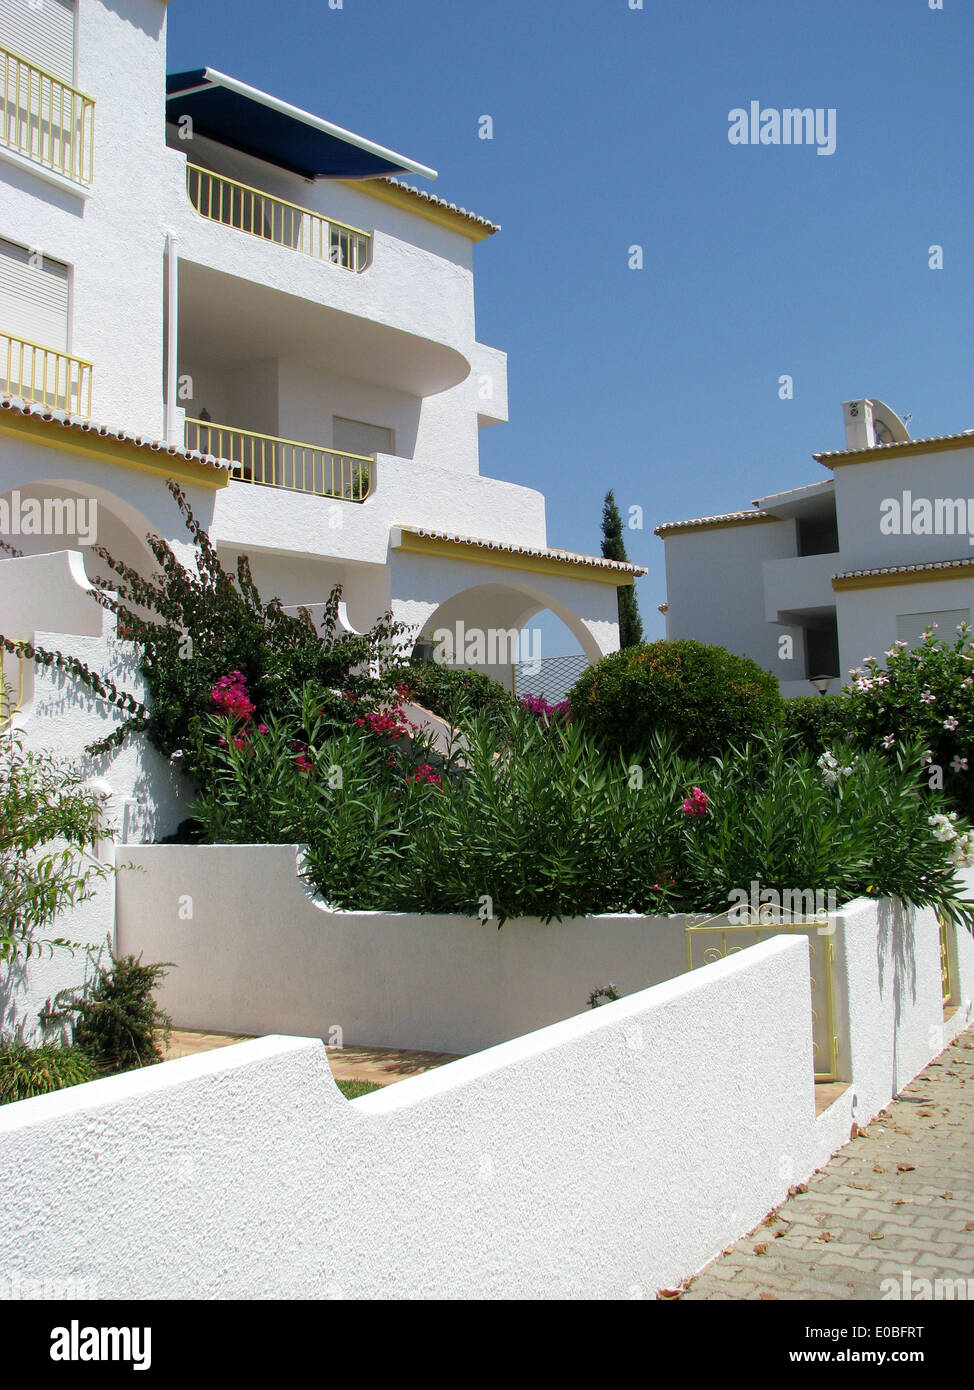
[45,120]
[270,461]
[44,375]
[800,585]
[258,214]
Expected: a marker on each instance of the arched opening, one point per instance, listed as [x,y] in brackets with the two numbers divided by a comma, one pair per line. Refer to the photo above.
[48,515]
[491,628]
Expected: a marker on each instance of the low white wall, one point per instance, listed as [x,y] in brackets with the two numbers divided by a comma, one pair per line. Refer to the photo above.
[254,953]
[604,1157]
[27,987]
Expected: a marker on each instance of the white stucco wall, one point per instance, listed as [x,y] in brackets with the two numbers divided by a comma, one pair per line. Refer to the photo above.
[27,987]
[716,591]
[259,955]
[861,487]
[44,600]
[604,1157]
[867,617]
[113,240]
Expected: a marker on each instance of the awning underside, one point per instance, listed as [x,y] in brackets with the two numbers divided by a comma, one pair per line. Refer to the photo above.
[294,140]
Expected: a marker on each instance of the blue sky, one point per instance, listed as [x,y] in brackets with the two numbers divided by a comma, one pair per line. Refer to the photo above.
[611,130]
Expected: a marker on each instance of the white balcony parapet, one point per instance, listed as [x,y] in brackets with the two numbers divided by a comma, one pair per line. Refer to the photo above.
[285,463]
[248,210]
[45,119]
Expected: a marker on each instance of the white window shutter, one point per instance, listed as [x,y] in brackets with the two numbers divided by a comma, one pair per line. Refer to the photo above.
[44,36]
[33,298]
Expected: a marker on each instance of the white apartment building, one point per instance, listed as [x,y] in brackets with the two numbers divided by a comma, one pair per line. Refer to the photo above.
[199,281]
[809,581]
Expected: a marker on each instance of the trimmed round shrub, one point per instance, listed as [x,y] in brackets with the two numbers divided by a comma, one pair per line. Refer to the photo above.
[452,690]
[705,697]
[817,721]
[34,1071]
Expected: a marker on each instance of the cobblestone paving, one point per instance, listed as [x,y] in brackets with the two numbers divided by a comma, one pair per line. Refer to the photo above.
[899,1197]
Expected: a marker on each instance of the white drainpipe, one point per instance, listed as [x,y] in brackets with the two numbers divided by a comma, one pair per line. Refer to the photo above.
[172,422]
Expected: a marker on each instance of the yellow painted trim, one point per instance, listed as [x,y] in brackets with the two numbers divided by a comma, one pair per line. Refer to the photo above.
[675,529]
[107,450]
[443,217]
[538,564]
[915,446]
[881,581]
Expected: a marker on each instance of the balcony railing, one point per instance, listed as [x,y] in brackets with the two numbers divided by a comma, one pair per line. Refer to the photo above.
[46,120]
[287,463]
[286,224]
[44,375]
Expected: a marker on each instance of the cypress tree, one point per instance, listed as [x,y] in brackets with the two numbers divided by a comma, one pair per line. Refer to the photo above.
[614,548]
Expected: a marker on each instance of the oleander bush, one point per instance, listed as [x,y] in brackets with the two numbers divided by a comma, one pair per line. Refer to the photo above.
[537,821]
[925,694]
[706,698]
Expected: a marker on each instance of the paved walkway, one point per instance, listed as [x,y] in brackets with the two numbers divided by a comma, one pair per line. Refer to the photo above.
[898,1197]
[380,1065]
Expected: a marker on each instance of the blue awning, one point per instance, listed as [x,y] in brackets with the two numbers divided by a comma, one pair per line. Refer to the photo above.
[246,119]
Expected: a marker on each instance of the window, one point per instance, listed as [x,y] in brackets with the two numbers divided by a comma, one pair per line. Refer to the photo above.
[356,437]
[909,626]
[33,297]
[43,35]
[34,332]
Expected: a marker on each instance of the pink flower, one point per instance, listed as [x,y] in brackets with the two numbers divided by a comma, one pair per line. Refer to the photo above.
[927,698]
[424,774]
[263,729]
[950,724]
[696,804]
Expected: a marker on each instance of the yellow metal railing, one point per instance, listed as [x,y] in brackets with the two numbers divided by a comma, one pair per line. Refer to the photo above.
[825,1042]
[44,375]
[274,462]
[946,983]
[286,224]
[45,119]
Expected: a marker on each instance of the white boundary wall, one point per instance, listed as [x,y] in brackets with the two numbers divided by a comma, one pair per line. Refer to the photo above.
[604,1157]
[261,955]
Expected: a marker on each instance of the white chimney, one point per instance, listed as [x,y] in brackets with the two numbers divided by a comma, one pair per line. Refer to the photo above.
[859,431]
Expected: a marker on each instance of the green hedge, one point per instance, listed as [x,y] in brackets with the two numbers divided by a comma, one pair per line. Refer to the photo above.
[451,691]
[817,721]
[707,698]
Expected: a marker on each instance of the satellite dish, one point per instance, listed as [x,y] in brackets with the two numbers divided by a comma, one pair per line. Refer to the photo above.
[887,425]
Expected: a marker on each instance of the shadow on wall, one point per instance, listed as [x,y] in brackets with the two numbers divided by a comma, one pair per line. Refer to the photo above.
[896,964]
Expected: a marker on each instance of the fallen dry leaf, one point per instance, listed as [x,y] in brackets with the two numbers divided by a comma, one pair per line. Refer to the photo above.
[824,1236]
[767,1296]
[669,1293]
[906,1167]
[761,1249]
[876,1235]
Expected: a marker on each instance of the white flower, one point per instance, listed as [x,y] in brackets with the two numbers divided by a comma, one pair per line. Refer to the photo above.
[889,740]
[927,698]
[950,724]
[958,763]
